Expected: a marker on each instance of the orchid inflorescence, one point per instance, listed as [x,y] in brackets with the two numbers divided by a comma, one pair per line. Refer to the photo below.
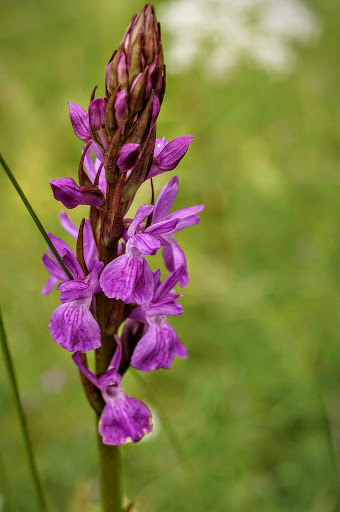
[113,287]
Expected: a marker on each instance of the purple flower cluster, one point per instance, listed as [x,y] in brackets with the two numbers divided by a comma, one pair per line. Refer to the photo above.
[112,285]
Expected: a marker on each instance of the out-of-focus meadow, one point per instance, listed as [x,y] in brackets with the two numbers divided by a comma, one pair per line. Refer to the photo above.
[256,407]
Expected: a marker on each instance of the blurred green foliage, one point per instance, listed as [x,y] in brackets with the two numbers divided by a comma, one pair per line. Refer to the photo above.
[256,407]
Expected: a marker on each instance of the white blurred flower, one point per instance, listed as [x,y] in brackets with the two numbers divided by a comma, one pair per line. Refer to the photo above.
[221,33]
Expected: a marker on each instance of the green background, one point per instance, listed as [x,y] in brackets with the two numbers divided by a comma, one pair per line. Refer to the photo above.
[256,408]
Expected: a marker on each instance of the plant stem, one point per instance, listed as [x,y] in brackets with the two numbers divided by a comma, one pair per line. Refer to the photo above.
[109,476]
[33,215]
[21,417]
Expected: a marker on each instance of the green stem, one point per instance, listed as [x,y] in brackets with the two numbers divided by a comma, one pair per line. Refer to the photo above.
[21,417]
[110,484]
[34,215]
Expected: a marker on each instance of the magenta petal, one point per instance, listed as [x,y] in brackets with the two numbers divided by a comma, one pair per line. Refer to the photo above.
[67,191]
[166,307]
[188,216]
[160,228]
[146,243]
[80,121]
[180,350]
[51,282]
[156,349]
[144,284]
[59,244]
[124,419]
[97,111]
[154,171]
[160,144]
[70,260]
[128,156]
[73,327]
[173,152]
[73,290]
[54,268]
[164,289]
[174,258]
[90,247]
[119,277]
[97,151]
[68,225]
[165,200]
[121,106]
[79,362]
[89,164]
[143,211]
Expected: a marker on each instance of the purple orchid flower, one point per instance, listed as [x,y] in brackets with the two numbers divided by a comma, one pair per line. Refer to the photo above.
[129,276]
[72,325]
[160,343]
[173,255]
[124,419]
[167,156]
[50,262]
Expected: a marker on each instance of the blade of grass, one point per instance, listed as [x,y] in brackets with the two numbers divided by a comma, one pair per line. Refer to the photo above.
[33,215]
[21,417]
[5,488]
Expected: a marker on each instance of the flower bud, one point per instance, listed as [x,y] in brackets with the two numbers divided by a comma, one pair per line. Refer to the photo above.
[71,195]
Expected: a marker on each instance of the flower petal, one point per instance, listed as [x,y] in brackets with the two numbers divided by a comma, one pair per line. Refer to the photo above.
[80,121]
[68,225]
[165,200]
[97,111]
[51,282]
[54,268]
[174,257]
[66,191]
[188,216]
[124,419]
[144,284]
[156,349]
[169,283]
[146,243]
[143,211]
[73,327]
[128,156]
[173,152]
[73,290]
[160,228]
[72,264]
[118,278]
[159,145]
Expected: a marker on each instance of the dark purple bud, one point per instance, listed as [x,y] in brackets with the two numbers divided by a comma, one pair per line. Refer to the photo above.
[172,153]
[97,111]
[137,93]
[71,195]
[67,191]
[122,75]
[128,156]
[80,122]
[121,107]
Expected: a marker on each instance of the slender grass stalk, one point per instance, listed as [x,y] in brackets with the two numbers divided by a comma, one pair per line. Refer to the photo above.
[22,418]
[5,488]
[33,214]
